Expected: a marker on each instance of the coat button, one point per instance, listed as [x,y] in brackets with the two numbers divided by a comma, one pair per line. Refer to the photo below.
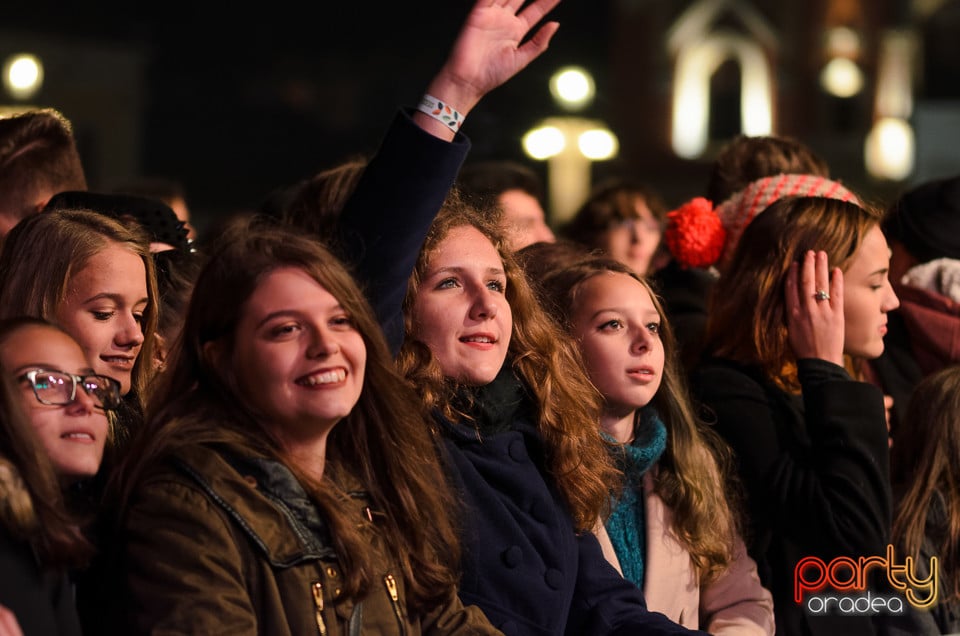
[517,451]
[331,572]
[541,509]
[512,556]
[250,480]
[553,578]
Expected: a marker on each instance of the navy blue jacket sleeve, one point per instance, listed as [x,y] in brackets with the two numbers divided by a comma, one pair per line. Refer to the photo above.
[606,604]
[385,221]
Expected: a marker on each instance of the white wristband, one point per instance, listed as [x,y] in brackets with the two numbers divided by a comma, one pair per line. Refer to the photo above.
[444,113]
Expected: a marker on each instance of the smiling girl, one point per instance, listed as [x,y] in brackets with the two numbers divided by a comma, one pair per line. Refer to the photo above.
[286,482]
[94,278]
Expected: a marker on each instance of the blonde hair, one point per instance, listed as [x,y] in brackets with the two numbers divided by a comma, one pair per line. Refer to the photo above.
[41,255]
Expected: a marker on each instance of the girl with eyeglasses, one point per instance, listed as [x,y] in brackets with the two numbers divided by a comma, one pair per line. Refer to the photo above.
[63,398]
[623,220]
[54,426]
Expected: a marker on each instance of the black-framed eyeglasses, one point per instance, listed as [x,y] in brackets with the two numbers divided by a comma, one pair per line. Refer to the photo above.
[59,387]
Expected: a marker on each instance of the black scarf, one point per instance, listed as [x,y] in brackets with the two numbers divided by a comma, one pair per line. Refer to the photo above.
[495,406]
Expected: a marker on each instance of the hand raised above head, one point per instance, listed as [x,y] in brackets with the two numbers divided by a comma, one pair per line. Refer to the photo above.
[8,623]
[488,50]
[814,308]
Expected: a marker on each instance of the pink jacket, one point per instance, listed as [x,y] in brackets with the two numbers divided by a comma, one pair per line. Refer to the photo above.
[735,604]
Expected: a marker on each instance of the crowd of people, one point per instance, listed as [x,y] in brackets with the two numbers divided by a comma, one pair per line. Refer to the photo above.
[397,401]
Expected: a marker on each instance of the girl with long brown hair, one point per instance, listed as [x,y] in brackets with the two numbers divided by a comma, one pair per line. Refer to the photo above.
[518,419]
[673,528]
[513,408]
[285,481]
[804,290]
[924,463]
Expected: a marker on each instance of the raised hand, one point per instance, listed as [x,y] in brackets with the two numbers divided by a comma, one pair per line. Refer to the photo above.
[488,50]
[814,318]
[8,623]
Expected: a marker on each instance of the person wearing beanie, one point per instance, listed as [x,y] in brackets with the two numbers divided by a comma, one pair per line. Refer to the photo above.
[923,337]
[701,238]
[803,291]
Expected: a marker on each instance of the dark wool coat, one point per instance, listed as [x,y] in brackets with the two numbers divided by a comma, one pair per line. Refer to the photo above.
[524,565]
[815,470]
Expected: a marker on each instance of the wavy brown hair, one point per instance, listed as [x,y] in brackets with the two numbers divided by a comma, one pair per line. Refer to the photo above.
[318,202]
[747,319]
[925,466]
[384,443]
[42,253]
[549,365]
[695,476]
[32,507]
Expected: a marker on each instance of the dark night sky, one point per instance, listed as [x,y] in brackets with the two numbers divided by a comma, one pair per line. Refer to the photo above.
[245,100]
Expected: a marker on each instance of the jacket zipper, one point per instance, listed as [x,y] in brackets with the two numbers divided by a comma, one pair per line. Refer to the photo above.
[391,584]
[317,589]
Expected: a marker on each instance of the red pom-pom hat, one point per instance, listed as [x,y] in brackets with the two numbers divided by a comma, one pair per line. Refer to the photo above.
[694,237]
[695,233]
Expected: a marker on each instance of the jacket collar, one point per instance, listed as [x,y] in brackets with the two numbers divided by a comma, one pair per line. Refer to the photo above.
[265,500]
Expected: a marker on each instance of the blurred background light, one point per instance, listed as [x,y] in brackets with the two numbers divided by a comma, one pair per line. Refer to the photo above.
[22,75]
[598,144]
[572,87]
[544,142]
[841,77]
[889,149]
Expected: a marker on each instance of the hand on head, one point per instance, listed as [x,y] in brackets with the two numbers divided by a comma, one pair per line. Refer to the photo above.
[815,319]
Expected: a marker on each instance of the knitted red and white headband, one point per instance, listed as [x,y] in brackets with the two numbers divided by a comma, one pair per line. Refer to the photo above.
[700,235]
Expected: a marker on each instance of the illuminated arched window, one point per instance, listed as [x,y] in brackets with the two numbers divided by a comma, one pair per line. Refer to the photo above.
[696,64]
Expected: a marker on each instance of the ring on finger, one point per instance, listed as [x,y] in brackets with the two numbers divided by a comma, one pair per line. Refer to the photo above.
[822,294]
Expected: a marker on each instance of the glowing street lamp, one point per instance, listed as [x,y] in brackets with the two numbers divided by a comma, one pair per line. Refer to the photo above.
[841,76]
[22,75]
[544,142]
[572,88]
[890,149]
[598,144]
[570,144]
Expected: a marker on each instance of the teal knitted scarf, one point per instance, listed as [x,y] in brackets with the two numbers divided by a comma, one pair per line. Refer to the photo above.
[627,525]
